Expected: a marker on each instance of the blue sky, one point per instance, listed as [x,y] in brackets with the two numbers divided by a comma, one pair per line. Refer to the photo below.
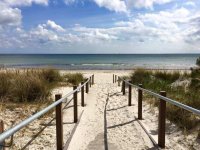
[99,26]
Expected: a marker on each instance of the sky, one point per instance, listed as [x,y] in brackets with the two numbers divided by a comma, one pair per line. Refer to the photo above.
[99,26]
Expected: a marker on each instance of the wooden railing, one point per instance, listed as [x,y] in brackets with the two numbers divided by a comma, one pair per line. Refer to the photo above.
[59,111]
[162,105]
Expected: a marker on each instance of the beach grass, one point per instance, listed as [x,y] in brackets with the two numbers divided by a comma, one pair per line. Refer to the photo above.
[185,93]
[33,84]
[74,78]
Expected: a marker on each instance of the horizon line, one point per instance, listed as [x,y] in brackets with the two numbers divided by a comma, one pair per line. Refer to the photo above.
[94,53]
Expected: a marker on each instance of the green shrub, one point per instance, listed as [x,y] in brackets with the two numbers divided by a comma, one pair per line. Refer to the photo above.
[195,73]
[157,81]
[140,76]
[168,77]
[198,61]
[33,84]
[51,75]
[29,88]
[5,84]
[74,78]
[28,85]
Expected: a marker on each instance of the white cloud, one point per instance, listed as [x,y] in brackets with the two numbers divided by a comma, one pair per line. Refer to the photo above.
[123,5]
[54,26]
[164,26]
[25,2]
[145,3]
[97,35]
[43,35]
[68,2]
[113,5]
[190,3]
[9,16]
[168,29]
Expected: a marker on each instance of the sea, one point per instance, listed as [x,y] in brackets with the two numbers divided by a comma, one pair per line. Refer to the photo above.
[99,61]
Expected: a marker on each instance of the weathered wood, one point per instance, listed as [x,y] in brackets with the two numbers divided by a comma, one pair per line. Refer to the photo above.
[90,81]
[123,88]
[162,121]
[113,78]
[75,105]
[87,88]
[59,123]
[129,94]
[82,95]
[140,103]
[93,79]
[118,81]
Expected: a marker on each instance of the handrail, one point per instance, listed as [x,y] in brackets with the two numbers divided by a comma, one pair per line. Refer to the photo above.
[162,106]
[25,122]
[178,104]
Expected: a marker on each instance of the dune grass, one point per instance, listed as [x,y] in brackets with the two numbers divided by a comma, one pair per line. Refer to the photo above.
[161,80]
[74,78]
[29,85]
[33,84]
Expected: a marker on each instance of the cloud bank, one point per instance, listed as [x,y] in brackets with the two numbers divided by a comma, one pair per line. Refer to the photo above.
[169,29]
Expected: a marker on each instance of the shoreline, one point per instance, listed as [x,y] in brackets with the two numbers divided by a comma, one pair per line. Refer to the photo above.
[61,69]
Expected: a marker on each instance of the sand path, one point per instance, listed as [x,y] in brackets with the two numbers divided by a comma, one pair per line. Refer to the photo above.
[107,121]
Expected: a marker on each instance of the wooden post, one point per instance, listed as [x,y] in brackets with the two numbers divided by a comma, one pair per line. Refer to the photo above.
[118,81]
[59,123]
[113,78]
[140,103]
[162,121]
[129,94]
[93,79]
[90,81]
[1,131]
[123,87]
[87,88]
[82,95]
[75,105]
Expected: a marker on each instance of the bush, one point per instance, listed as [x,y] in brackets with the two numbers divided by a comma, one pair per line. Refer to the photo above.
[74,78]
[195,73]
[29,88]
[51,75]
[168,77]
[198,61]
[5,84]
[157,81]
[140,76]
[31,85]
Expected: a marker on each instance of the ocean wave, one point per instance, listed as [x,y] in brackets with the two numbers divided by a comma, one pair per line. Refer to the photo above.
[98,66]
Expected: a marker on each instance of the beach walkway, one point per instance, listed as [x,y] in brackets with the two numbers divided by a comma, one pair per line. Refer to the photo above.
[108,122]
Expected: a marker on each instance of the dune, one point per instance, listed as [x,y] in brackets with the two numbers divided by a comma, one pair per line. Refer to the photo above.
[106,122]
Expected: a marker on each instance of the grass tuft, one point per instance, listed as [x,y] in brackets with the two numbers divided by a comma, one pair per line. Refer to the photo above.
[27,86]
[161,80]
[74,78]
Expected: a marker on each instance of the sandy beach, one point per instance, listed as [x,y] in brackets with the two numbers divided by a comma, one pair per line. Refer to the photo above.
[106,121]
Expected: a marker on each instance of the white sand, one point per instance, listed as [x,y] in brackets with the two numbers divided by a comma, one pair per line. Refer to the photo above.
[123,132]
[106,121]
[92,131]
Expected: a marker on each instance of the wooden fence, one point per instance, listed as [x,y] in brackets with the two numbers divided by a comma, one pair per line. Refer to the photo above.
[162,105]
